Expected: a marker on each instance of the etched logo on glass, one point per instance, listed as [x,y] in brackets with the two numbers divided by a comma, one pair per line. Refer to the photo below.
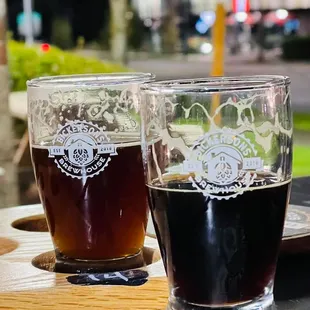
[81,149]
[222,164]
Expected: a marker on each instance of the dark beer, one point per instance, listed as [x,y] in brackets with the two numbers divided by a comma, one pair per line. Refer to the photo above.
[97,218]
[219,252]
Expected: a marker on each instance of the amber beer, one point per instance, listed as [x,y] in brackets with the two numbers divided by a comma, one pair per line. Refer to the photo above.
[102,217]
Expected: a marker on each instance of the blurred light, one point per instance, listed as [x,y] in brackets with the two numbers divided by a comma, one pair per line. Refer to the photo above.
[241,17]
[257,15]
[45,47]
[282,14]
[291,25]
[206,48]
[148,22]
[208,17]
[201,26]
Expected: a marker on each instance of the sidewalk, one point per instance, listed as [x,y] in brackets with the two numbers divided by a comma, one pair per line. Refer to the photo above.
[200,66]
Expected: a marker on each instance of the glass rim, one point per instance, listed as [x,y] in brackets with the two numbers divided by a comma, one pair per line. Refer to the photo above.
[90,80]
[217,84]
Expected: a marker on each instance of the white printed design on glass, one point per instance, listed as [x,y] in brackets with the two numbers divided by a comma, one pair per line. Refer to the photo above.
[222,164]
[81,149]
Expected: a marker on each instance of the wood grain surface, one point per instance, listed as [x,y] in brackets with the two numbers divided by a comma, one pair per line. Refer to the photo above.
[150,296]
[24,286]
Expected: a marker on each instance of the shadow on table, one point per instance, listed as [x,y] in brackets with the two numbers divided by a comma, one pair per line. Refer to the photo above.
[292,282]
[293,277]
[300,194]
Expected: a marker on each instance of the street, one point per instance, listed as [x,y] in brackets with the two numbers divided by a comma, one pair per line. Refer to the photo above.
[199,66]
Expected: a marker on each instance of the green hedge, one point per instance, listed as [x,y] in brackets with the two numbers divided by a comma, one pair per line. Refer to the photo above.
[296,48]
[28,62]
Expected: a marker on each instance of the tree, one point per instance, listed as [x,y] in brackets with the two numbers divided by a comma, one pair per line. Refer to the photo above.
[261,37]
[135,30]
[170,33]
[62,33]
[8,192]
[118,30]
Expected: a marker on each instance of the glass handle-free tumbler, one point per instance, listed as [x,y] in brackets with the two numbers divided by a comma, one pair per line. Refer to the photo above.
[218,160]
[86,154]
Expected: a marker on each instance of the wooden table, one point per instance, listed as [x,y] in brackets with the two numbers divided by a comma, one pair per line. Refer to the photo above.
[24,286]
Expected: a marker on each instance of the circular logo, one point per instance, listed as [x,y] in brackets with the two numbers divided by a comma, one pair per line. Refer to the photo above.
[81,149]
[222,164]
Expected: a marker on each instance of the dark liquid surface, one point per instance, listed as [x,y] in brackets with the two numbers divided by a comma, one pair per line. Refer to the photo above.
[219,251]
[102,217]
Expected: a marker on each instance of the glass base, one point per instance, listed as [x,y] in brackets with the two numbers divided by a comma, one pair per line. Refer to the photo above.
[263,303]
[64,264]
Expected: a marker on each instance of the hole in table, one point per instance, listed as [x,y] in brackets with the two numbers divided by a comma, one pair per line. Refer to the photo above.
[32,223]
[7,245]
[47,261]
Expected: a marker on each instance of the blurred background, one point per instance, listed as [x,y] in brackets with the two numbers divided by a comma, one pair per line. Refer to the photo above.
[171,38]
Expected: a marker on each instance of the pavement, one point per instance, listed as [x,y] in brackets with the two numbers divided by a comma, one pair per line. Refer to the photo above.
[199,66]
[196,66]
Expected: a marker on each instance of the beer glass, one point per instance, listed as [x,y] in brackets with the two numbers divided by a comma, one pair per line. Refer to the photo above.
[218,160]
[86,154]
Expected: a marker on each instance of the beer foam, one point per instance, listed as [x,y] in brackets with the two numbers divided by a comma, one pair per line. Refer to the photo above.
[117,144]
[129,139]
[123,139]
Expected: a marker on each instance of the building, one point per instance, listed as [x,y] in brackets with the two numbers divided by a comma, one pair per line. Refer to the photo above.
[202,5]
[149,8]
[199,6]
[280,4]
[156,8]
